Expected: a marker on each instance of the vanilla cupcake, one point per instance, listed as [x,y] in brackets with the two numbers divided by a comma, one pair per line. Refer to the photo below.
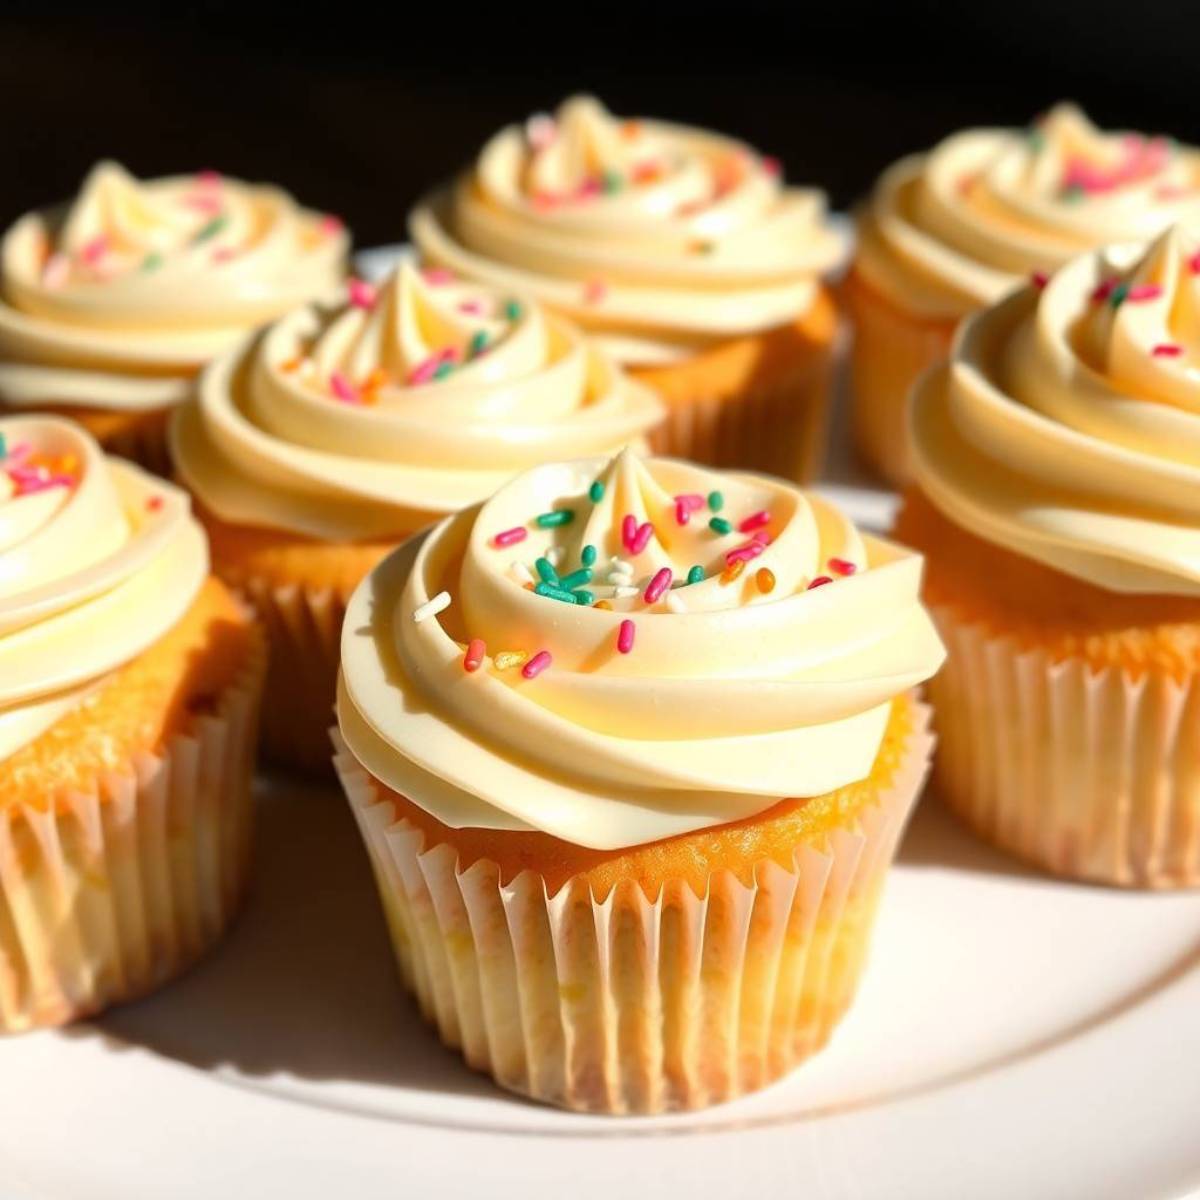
[948,232]
[631,745]
[110,305]
[129,686]
[316,447]
[681,251]
[1057,502]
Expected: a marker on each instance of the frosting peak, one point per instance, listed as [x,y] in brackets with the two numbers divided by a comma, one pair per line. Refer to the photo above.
[617,651]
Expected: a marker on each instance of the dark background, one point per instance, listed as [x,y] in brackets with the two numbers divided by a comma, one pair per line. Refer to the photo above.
[357,111]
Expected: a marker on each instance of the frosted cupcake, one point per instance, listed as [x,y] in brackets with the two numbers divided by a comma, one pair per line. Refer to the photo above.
[316,447]
[631,745]
[1058,504]
[110,305]
[948,232]
[129,686]
[681,251]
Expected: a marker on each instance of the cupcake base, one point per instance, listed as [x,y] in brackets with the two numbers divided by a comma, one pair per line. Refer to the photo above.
[890,350]
[759,402]
[111,892]
[627,1003]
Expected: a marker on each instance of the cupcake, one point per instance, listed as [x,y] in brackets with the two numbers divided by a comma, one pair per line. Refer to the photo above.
[316,447]
[630,822]
[949,232]
[129,686]
[1057,501]
[110,305]
[681,251]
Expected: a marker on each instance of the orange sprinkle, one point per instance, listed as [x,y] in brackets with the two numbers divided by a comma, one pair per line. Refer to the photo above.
[765,578]
[732,571]
[292,364]
[507,659]
[631,129]
[604,604]
[473,658]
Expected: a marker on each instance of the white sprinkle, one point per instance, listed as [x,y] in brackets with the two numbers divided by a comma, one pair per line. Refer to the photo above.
[520,572]
[625,590]
[431,607]
[540,130]
[620,566]
[674,603]
[554,555]
[56,271]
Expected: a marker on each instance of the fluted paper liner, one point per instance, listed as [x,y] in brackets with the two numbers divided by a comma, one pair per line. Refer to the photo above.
[889,352]
[116,891]
[1089,774]
[623,1005]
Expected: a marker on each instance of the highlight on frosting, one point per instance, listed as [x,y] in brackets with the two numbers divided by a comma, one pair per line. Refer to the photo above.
[658,238]
[97,561]
[1067,425]
[956,228]
[404,403]
[118,298]
[617,650]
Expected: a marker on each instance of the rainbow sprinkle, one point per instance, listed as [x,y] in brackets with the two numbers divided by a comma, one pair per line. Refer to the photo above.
[510,537]
[431,607]
[720,525]
[1167,350]
[507,659]
[625,636]
[596,491]
[696,574]
[361,293]
[473,659]
[555,518]
[841,566]
[820,581]
[537,664]
[658,585]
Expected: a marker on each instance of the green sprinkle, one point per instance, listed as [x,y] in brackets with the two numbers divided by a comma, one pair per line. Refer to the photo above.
[550,520]
[1117,296]
[1037,139]
[555,593]
[3,446]
[720,525]
[716,501]
[611,181]
[576,579]
[210,229]
[1073,195]
[696,574]
[512,310]
[152,261]
[584,597]
[477,345]
[588,556]
[545,568]
[443,370]
[596,492]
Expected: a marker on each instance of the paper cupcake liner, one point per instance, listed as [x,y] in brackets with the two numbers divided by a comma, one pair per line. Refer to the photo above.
[1093,775]
[304,631]
[777,424]
[115,892]
[626,1005]
[889,352]
[143,441]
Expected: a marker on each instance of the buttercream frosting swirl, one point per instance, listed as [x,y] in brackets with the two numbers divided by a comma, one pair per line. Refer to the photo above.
[657,238]
[371,419]
[97,561]
[610,707]
[956,228]
[1066,426]
[118,299]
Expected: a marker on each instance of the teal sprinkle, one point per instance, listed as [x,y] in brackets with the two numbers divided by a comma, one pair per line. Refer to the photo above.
[716,501]
[720,525]
[512,310]
[545,568]
[588,556]
[555,593]
[152,261]
[477,345]
[696,575]
[1117,296]
[550,520]
[210,229]
[576,579]
[596,492]
[3,446]
[584,597]
[443,370]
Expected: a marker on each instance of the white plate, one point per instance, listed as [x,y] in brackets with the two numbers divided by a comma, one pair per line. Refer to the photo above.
[1014,1037]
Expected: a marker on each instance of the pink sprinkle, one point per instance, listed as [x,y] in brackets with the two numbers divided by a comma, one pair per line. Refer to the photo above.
[1194,263]
[95,250]
[362,294]
[683,514]
[154,503]
[474,307]
[208,178]
[329,225]
[641,539]
[1167,350]
[692,500]
[423,371]
[842,566]
[343,389]
[820,581]
[204,203]
[658,585]
[56,271]
[224,254]
[1103,290]
[1039,279]
[510,537]
[17,453]
[744,553]
[628,529]
[540,130]
[437,275]
[625,637]
[1144,291]
[755,521]
[595,290]
[772,165]
[41,483]
[537,664]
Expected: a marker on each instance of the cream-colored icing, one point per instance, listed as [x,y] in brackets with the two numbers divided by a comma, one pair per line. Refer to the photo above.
[117,301]
[957,228]
[271,442]
[93,570]
[731,697]
[658,239]
[1066,426]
